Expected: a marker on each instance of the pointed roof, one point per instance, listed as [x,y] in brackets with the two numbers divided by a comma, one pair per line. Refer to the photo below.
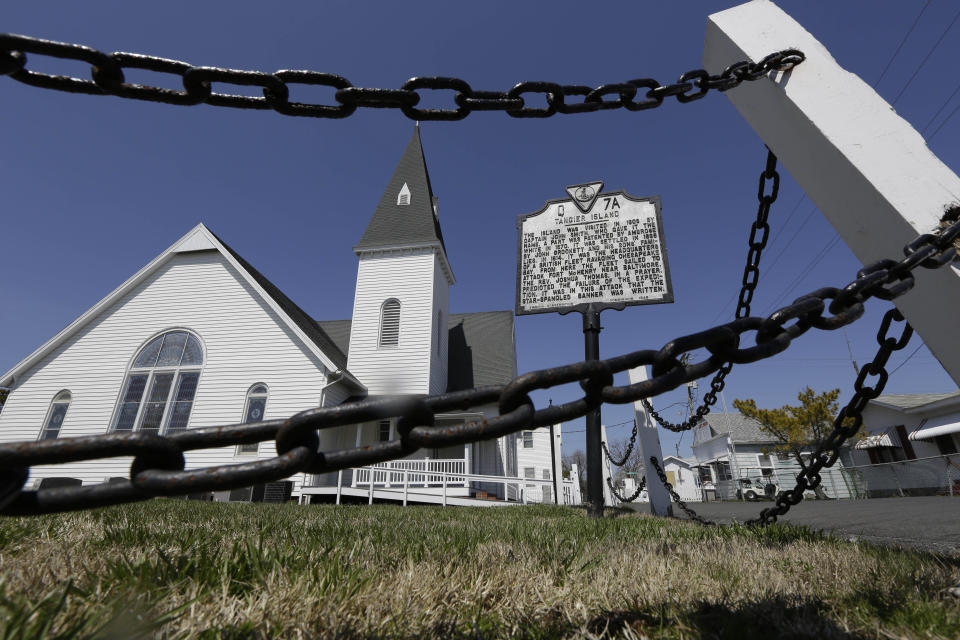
[200,238]
[393,224]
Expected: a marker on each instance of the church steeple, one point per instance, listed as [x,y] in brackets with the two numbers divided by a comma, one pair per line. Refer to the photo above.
[398,337]
[407,213]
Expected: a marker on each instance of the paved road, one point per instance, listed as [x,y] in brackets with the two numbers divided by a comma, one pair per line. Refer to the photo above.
[929,522]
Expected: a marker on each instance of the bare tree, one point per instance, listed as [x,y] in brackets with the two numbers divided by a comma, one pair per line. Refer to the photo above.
[619,449]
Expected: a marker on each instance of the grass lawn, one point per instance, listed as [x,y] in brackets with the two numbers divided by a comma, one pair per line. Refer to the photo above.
[171,568]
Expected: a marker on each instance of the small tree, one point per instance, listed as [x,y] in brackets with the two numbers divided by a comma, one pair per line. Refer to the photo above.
[634,462]
[796,428]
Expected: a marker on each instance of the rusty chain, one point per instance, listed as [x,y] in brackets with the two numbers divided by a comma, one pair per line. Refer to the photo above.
[107,78]
[693,515]
[633,496]
[626,456]
[158,461]
[751,275]
[847,422]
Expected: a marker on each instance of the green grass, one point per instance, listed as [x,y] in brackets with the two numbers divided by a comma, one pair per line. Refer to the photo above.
[180,569]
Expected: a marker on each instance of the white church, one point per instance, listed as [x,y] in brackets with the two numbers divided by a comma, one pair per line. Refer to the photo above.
[198,337]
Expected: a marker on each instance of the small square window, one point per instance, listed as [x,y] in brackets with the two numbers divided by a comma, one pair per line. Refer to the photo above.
[529,472]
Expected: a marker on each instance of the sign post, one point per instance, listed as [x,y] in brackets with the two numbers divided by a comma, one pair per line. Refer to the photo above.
[586,253]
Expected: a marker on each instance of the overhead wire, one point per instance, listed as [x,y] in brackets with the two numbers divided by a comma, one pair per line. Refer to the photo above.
[902,42]
[927,57]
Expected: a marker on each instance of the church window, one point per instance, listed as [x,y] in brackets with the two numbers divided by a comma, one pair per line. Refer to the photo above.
[160,386]
[253,411]
[58,410]
[390,323]
[403,198]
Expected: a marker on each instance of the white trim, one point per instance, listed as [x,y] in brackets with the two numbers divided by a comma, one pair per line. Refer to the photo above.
[195,237]
[401,249]
[932,432]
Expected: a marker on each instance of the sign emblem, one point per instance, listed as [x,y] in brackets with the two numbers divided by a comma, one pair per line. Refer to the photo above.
[584,195]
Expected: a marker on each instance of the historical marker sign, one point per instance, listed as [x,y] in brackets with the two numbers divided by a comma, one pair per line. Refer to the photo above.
[605,249]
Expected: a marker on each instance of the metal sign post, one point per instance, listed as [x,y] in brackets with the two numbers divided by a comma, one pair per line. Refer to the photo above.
[586,253]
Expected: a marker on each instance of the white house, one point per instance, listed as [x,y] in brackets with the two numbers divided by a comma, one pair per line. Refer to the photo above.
[912,446]
[734,459]
[198,337]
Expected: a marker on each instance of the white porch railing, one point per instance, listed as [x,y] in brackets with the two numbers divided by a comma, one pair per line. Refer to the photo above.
[414,473]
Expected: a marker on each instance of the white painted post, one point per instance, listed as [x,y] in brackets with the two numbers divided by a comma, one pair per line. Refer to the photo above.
[865,167]
[339,484]
[466,465]
[406,485]
[370,490]
[608,499]
[444,488]
[648,439]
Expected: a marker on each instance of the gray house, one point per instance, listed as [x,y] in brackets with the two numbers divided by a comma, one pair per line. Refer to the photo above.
[735,459]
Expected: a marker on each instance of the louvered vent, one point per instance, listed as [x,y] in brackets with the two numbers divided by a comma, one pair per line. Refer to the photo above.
[390,323]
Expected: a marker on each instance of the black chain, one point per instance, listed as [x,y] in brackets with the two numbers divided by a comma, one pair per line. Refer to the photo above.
[847,422]
[107,78]
[158,464]
[626,456]
[751,275]
[633,496]
[676,497]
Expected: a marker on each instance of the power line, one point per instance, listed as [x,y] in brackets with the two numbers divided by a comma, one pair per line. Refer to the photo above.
[804,273]
[902,42]
[927,57]
[946,102]
[905,361]
[946,120]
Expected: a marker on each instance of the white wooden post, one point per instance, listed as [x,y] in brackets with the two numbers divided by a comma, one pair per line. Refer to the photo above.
[370,489]
[339,484]
[865,167]
[444,488]
[607,467]
[406,485]
[466,465]
[648,439]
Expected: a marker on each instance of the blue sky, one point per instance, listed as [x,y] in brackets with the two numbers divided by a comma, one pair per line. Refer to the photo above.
[95,187]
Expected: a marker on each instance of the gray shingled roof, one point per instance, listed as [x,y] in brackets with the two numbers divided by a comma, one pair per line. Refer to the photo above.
[307,324]
[741,429]
[480,347]
[394,224]
[914,400]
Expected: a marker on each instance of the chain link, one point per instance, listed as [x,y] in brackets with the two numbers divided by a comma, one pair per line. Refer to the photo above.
[676,497]
[626,456]
[751,275]
[158,461]
[633,496]
[107,78]
[847,422]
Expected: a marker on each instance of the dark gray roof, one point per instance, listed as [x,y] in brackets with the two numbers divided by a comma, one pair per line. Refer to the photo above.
[913,400]
[480,348]
[416,223]
[741,429]
[307,324]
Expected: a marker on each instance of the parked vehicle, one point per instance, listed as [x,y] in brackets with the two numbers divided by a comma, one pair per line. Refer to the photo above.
[758,488]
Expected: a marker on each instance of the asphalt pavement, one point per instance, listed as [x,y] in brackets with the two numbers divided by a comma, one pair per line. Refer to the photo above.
[930,522]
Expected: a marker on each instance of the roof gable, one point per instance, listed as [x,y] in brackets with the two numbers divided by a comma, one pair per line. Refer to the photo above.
[200,238]
[740,428]
[394,224]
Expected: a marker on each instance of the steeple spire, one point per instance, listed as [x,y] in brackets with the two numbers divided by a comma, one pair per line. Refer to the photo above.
[406,214]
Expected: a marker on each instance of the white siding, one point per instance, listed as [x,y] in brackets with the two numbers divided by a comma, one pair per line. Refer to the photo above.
[538,458]
[407,276]
[244,343]
[441,302]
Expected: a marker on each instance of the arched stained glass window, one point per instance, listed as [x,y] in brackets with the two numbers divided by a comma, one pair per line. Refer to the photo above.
[161,384]
[55,416]
[253,411]
[390,323]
